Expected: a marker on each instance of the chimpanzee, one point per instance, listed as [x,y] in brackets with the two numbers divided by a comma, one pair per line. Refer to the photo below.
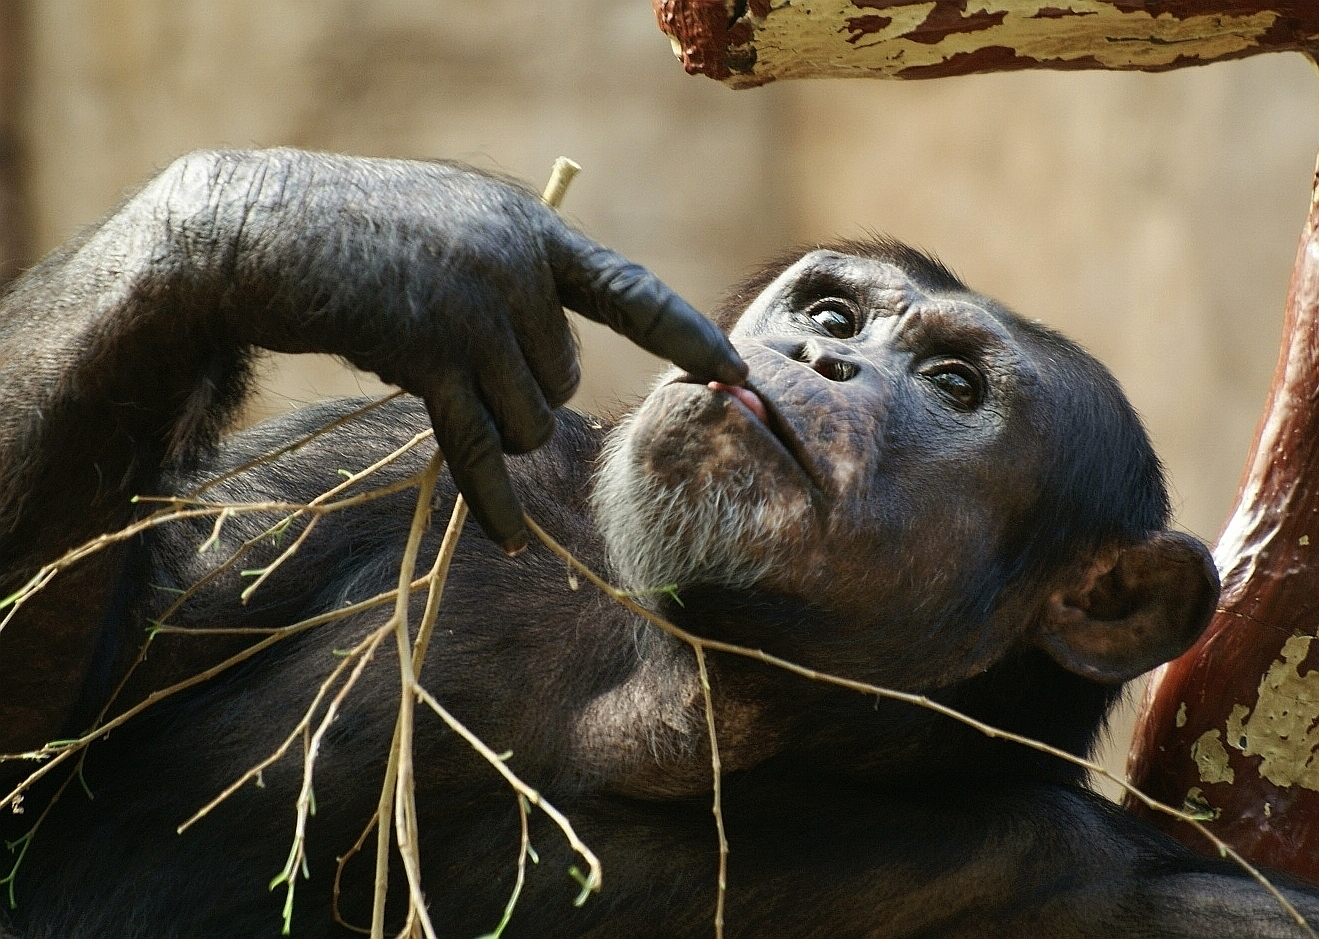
[884,476]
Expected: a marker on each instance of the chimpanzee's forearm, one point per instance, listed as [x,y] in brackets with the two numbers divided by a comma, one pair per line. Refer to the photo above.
[112,360]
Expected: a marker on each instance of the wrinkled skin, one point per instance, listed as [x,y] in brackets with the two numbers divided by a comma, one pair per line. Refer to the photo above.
[911,486]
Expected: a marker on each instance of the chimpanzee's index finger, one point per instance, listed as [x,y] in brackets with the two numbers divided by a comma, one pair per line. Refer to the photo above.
[605,286]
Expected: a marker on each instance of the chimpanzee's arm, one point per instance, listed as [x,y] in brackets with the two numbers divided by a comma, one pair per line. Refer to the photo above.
[128,348]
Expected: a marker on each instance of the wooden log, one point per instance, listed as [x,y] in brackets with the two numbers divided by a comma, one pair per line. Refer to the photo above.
[750,42]
[1231,729]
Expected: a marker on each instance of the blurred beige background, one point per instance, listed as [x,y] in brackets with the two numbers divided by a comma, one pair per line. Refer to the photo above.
[1154,218]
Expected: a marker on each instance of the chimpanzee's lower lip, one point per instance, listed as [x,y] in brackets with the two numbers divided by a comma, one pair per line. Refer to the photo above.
[752,401]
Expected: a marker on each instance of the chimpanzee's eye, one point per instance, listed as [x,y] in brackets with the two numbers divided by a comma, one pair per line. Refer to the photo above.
[957,381]
[835,317]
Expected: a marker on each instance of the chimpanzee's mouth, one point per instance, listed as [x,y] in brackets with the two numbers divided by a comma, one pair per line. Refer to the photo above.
[763,410]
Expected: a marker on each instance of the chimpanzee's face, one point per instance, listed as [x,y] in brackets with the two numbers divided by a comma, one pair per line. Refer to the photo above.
[882,448]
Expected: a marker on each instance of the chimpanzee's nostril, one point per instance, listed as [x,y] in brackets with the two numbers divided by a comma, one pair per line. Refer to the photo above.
[820,359]
[835,369]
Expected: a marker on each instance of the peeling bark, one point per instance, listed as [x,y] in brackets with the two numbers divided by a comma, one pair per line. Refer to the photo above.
[750,43]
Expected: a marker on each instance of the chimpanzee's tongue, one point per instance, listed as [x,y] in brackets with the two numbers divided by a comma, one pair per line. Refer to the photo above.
[745,395]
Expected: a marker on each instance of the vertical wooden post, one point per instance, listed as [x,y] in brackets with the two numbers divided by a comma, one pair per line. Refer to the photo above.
[1230,730]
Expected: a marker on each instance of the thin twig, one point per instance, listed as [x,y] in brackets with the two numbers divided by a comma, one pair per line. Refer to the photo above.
[352,480]
[247,545]
[256,539]
[384,811]
[358,655]
[717,807]
[198,509]
[25,840]
[405,795]
[57,753]
[264,573]
[299,443]
[439,576]
[248,508]
[524,851]
[335,913]
[305,801]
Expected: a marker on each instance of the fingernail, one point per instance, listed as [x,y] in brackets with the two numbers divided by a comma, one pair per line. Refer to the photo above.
[515,546]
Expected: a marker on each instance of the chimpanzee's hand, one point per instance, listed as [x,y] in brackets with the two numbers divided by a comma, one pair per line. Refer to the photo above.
[441,280]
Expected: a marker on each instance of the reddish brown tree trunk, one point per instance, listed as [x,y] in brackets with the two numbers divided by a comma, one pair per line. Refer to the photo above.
[1231,728]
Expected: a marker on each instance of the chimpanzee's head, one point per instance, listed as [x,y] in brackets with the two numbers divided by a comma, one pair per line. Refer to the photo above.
[938,476]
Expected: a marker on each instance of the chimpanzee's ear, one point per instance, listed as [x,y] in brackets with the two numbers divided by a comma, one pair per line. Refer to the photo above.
[1132,608]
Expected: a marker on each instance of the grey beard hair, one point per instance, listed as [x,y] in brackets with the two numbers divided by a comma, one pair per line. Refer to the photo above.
[658,536]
